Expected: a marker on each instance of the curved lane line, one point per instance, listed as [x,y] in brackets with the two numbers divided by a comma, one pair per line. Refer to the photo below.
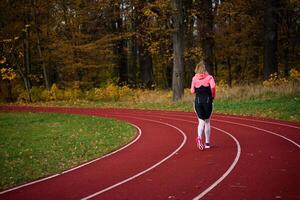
[72,169]
[228,171]
[261,121]
[114,152]
[146,170]
[245,118]
[238,146]
[254,127]
[260,129]
[239,149]
[237,157]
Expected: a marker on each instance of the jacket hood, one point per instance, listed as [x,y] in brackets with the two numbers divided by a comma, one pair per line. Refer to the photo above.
[201,76]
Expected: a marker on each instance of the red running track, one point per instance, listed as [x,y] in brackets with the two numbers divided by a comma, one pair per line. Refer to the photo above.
[251,159]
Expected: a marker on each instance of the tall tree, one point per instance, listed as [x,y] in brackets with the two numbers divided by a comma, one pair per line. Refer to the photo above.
[178,67]
[119,26]
[205,25]
[271,54]
[144,56]
[27,48]
[288,34]
[38,41]
[192,49]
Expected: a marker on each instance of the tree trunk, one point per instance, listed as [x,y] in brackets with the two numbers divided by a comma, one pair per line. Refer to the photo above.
[286,52]
[27,67]
[26,49]
[189,40]
[270,55]
[178,67]
[122,62]
[229,82]
[145,60]
[216,66]
[120,44]
[206,34]
[134,58]
[45,74]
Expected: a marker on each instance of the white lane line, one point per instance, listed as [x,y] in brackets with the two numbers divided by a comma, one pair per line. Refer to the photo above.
[27,184]
[148,169]
[255,127]
[260,129]
[114,152]
[72,169]
[238,146]
[237,157]
[261,121]
[241,118]
[228,171]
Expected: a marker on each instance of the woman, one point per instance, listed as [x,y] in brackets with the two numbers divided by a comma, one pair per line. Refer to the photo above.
[203,85]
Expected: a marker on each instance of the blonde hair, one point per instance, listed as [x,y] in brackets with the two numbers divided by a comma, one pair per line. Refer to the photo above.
[200,68]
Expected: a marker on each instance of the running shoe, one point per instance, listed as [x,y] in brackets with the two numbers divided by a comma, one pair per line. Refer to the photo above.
[207,146]
[199,143]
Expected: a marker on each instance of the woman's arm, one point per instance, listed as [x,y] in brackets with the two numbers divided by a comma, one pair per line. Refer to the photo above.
[212,87]
[192,87]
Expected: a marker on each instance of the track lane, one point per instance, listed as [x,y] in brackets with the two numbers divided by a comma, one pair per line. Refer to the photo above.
[260,164]
[284,129]
[207,179]
[146,170]
[272,158]
[268,168]
[170,180]
[84,181]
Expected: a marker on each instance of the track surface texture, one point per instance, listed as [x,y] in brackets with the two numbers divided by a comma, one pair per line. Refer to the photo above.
[250,158]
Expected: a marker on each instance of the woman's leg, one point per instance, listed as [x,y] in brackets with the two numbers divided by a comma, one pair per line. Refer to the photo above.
[200,131]
[207,131]
[200,128]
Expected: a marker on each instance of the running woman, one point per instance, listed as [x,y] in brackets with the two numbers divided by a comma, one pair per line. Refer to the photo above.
[203,85]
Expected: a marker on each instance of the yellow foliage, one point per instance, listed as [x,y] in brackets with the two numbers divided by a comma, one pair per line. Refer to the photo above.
[55,93]
[71,94]
[154,48]
[125,92]
[294,74]
[275,80]
[111,92]
[22,96]
[45,95]
[193,53]
[222,86]
[36,93]
[149,13]
[8,74]
[2,61]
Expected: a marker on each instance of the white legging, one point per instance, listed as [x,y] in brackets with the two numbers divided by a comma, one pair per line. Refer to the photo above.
[204,124]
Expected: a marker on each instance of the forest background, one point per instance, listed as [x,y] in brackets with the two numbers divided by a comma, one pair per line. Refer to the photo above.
[107,49]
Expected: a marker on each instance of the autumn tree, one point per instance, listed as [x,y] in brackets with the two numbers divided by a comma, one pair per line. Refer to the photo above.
[270,39]
[178,48]
[149,44]
[206,33]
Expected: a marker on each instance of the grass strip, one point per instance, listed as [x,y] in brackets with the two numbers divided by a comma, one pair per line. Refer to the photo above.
[278,107]
[36,145]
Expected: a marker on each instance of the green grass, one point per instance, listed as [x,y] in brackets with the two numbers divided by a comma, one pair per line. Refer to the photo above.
[280,100]
[35,145]
[285,108]
[277,107]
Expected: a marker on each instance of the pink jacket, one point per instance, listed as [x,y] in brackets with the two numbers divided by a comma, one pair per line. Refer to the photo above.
[205,80]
